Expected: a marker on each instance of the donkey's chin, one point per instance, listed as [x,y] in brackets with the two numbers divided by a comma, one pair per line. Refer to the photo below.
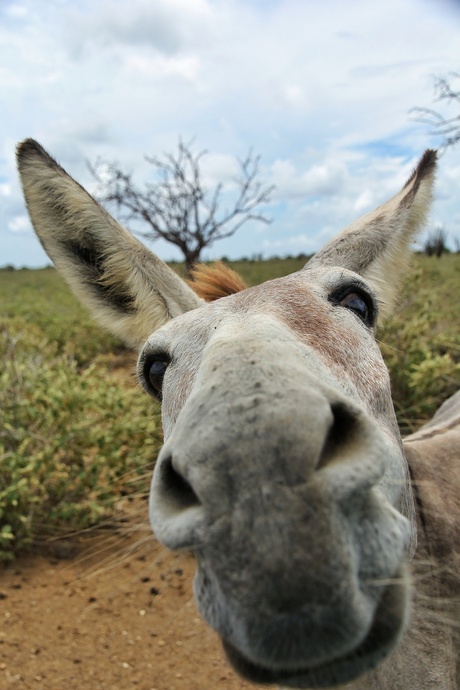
[383,635]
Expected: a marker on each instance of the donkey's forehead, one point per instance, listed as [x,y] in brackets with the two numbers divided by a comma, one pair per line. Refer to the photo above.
[304,294]
[298,301]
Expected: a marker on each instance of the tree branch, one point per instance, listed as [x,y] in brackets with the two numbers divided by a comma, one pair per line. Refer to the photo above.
[448,128]
[176,206]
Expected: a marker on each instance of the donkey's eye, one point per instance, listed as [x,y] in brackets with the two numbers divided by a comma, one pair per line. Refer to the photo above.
[154,372]
[358,302]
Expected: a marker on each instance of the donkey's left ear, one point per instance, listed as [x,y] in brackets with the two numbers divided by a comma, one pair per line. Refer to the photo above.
[377,246]
[129,290]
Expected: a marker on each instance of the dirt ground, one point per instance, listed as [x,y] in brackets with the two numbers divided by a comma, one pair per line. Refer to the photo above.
[111,610]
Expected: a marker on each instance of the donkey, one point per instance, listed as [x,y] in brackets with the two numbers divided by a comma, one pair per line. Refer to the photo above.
[283,469]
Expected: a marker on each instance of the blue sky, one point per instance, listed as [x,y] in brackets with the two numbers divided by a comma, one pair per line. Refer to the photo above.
[321,90]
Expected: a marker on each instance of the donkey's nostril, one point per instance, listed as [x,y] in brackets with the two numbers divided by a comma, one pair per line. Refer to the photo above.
[176,489]
[176,513]
[340,434]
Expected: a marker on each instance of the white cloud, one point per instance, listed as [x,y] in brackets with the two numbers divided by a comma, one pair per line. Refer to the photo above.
[365,201]
[321,90]
[219,168]
[323,179]
[164,25]
[16,11]
[19,224]
[161,66]
[298,242]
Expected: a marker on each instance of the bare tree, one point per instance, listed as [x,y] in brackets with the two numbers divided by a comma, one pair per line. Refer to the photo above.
[436,242]
[447,127]
[177,206]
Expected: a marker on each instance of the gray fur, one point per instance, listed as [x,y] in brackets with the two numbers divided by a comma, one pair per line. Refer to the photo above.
[283,469]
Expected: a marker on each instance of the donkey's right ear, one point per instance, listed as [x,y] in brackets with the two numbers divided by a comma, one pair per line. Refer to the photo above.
[127,288]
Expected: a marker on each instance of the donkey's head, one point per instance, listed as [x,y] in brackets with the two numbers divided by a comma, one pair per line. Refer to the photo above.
[282,468]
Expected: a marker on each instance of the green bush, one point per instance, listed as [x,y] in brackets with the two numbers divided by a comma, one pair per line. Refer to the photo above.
[421,343]
[42,298]
[71,440]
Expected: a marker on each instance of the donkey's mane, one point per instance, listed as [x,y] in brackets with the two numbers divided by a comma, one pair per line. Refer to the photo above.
[216,281]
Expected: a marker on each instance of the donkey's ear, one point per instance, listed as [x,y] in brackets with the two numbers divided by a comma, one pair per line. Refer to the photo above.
[128,289]
[377,246]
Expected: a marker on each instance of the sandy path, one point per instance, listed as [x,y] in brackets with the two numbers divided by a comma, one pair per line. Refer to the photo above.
[117,615]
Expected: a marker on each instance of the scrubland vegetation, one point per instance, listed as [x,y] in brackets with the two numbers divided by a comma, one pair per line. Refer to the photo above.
[76,433]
